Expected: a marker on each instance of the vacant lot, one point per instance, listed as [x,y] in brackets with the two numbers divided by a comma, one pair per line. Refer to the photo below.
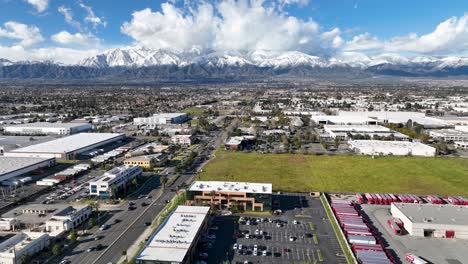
[343,173]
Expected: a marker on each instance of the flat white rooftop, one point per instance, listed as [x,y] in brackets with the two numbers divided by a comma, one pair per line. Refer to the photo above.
[49,125]
[220,186]
[173,239]
[356,128]
[10,164]
[442,214]
[69,144]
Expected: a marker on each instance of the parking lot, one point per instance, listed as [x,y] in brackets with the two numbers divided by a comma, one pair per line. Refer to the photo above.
[434,250]
[301,234]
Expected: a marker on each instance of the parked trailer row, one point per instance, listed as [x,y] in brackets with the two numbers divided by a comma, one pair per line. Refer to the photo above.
[366,245]
[409,198]
[457,200]
[379,198]
[434,199]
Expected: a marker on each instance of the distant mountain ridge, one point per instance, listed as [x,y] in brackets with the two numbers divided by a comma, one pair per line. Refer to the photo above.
[138,62]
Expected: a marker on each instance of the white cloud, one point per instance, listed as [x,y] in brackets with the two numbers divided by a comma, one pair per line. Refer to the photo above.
[228,25]
[39,5]
[28,35]
[63,55]
[68,15]
[449,37]
[92,18]
[66,38]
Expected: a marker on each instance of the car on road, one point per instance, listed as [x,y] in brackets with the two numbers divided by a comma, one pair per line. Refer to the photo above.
[65,261]
[117,221]
[147,223]
[131,208]
[104,227]
[99,247]
[98,238]
[90,249]
[143,204]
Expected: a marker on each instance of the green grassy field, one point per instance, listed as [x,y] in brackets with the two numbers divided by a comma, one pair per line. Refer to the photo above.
[194,111]
[342,173]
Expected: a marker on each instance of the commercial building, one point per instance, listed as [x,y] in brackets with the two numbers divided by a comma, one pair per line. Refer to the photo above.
[397,148]
[67,147]
[11,167]
[14,248]
[147,149]
[343,132]
[46,128]
[397,117]
[449,135]
[184,140]
[238,143]
[342,120]
[148,161]
[115,181]
[433,220]
[8,224]
[161,119]
[68,218]
[243,195]
[175,240]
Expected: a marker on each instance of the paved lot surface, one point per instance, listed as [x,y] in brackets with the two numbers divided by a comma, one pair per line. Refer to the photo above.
[275,241]
[440,251]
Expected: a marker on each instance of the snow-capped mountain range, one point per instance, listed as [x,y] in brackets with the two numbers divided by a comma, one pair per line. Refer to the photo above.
[137,63]
[144,57]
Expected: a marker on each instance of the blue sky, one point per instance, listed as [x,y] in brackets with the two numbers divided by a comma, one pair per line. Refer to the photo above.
[38,28]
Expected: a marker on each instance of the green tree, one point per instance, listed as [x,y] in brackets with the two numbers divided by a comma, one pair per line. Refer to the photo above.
[163,180]
[73,235]
[91,222]
[56,250]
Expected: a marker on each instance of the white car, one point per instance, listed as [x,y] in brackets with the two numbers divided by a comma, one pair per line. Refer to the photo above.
[255,252]
[256,231]
[235,246]
[255,247]
[240,246]
[291,238]
[295,222]
[264,253]
[247,236]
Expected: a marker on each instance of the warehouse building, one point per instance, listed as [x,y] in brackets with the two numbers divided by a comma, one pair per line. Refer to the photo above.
[433,220]
[397,117]
[161,119]
[67,148]
[11,167]
[46,128]
[343,120]
[343,132]
[176,239]
[115,181]
[13,249]
[244,195]
[397,148]
[449,135]
[184,140]
[8,143]
[68,218]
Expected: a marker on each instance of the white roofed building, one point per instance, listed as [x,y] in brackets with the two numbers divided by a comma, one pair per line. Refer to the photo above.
[176,239]
[47,128]
[243,195]
[66,147]
[397,148]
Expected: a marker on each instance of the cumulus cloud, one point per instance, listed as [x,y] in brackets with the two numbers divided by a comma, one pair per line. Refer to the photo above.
[63,55]
[39,5]
[449,37]
[27,35]
[92,18]
[66,38]
[227,25]
[68,15]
